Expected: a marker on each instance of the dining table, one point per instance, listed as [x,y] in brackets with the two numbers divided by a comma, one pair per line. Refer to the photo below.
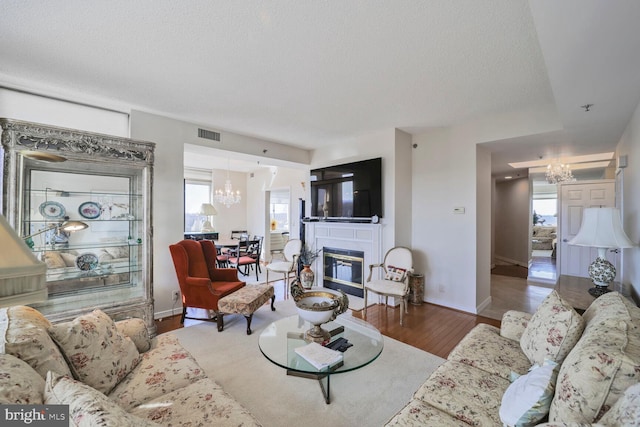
[226,243]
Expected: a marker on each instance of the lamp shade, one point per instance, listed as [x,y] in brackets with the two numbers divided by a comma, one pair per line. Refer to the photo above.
[207,209]
[601,228]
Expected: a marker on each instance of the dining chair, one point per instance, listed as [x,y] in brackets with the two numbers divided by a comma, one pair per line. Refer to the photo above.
[202,283]
[397,264]
[291,252]
[246,257]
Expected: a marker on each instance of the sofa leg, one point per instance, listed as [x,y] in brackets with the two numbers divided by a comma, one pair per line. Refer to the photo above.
[220,321]
[249,317]
[184,314]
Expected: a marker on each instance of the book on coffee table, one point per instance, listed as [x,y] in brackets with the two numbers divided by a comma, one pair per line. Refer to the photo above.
[320,357]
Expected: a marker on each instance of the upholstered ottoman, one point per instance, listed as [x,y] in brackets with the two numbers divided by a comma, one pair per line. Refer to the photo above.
[245,301]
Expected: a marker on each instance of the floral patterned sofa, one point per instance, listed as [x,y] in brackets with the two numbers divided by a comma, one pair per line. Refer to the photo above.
[554,366]
[109,373]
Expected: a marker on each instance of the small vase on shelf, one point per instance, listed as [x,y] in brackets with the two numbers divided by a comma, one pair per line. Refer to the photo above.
[307,277]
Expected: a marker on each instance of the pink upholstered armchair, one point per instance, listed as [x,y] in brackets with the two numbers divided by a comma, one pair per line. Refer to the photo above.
[202,283]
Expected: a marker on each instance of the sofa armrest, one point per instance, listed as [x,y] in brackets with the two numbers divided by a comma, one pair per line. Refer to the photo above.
[135,329]
[513,324]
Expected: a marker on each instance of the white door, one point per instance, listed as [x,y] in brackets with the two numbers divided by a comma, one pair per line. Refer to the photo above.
[574,198]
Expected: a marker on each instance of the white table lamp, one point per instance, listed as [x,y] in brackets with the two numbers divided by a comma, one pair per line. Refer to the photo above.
[207,210]
[601,228]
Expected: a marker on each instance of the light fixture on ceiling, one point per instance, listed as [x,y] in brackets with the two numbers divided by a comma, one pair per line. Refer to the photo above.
[587,107]
[558,173]
[227,196]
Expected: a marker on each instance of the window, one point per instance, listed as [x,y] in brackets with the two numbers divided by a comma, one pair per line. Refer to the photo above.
[546,210]
[279,208]
[195,194]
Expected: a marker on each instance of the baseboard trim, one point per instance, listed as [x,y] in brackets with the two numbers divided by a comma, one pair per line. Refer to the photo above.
[512,261]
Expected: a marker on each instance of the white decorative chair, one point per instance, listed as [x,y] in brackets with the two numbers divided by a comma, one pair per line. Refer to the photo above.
[398,263]
[291,252]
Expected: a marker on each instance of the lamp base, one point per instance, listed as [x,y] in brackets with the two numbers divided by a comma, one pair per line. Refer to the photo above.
[601,272]
[598,291]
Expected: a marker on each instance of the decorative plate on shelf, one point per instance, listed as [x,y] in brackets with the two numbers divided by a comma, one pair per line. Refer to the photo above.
[90,210]
[52,210]
[87,261]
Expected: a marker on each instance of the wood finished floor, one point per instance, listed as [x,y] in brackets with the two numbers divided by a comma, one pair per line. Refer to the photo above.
[429,327]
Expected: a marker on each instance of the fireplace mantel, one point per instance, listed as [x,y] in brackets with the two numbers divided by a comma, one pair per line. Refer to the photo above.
[365,237]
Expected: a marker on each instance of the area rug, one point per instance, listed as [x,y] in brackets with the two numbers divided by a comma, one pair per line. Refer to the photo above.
[511,271]
[367,396]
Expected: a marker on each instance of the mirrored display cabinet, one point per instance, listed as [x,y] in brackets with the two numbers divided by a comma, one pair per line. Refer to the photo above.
[82,203]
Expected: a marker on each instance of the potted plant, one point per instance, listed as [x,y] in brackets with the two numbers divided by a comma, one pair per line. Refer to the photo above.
[307,256]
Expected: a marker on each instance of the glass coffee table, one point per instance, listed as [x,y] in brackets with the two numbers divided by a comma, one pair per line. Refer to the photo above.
[280,339]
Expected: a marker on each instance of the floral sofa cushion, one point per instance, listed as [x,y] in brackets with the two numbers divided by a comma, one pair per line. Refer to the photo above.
[201,403]
[626,411]
[136,329]
[466,393]
[419,414]
[87,406]
[485,349]
[20,384]
[602,365]
[23,333]
[98,354]
[165,368]
[552,332]
[514,324]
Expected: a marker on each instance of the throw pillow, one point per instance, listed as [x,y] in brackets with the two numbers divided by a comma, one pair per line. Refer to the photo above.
[53,260]
[87,406]
[20,384]
[527,400]
[626,410]
[69,259]
[395,274]
[99,355]
[23,333]
[552,332]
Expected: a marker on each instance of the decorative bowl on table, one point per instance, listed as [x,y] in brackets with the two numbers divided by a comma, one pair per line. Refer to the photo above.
[318,306]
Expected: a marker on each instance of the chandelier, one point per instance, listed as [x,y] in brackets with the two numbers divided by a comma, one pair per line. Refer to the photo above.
[559,173]
[227,196]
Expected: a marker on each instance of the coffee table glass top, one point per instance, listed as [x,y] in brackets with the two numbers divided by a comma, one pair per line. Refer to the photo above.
[280,339]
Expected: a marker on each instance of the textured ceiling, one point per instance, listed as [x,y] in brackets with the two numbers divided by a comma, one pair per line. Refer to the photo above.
[310,73]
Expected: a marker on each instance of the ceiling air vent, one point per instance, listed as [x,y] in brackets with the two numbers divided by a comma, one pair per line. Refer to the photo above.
[209,134]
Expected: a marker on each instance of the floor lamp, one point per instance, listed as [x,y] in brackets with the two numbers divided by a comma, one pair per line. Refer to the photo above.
[601,228]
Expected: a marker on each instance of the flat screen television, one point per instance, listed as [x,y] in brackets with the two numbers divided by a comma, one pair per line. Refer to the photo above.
[347,191]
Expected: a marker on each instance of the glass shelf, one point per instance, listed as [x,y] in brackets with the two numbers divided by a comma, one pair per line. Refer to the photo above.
[105,182]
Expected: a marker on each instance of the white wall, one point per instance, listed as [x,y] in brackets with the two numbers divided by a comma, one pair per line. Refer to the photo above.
[483,228]
[394,149]
[629,145]
[55,112]
[444,243]
[402,189]
[275,178]
[168,200]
